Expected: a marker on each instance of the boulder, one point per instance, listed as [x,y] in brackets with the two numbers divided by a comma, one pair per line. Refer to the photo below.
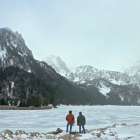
[5,132]
[20,132]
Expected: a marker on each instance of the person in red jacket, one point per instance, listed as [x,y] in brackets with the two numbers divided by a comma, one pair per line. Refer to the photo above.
[70,120]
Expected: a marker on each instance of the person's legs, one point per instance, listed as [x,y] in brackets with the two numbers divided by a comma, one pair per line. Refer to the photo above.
[79,128]
[83,128]
[70,128]
[67,127]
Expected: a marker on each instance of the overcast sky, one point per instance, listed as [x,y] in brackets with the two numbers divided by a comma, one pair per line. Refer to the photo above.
[101,33]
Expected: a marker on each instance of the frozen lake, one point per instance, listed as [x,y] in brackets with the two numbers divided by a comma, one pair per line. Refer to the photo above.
[50,120]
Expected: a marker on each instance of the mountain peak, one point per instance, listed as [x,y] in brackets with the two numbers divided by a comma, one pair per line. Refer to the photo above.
[8,30]
[134,70]
[87,73]
[59,65]
[13,50]
[13,41]
[52,57]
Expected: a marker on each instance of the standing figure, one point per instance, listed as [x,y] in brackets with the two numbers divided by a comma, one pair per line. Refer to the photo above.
[70,120]
[81,121]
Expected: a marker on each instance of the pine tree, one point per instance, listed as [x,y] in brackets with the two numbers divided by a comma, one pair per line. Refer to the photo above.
[45,102]
[3,102]
[24,104]
[29,102]
[54,101]
[10,86]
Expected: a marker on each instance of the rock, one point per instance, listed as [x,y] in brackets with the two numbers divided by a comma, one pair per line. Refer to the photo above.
[123,124]
[30,138]
[129,138]
[66,137]
[3,137]
[135,124]
[102,130]
[50,137]
[98,135]
[114,125]
[20,132]
[59,130]
[5,132]
[51,132]
[56,132]
[89,131]
[77,135]
[111,134]
[74,133]
[35,134]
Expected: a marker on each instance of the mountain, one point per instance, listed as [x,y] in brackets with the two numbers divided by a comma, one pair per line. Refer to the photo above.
[13,51]
[86,73]
[22,76]
[134,70]
[112,84]
[60,67]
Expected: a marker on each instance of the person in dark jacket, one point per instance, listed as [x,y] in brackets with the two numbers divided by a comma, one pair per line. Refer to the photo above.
[81,121]
[70,120]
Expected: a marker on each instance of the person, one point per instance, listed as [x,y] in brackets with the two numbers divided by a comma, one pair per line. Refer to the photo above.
[70,120]
[81,121]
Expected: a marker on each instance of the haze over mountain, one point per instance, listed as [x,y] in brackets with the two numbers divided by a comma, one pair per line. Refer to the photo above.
[107,82]
[85,73]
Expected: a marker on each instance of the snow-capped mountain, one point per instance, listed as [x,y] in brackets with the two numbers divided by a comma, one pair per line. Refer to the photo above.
[110,83]
[100,86]
[22,76]
[88,73]
[13,50]
[134,70]
[85,73]
[60,67]
[13,40]
[107,82]
[116,93]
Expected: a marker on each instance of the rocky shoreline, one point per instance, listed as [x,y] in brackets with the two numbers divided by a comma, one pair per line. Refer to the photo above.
[115,132]
[24,108]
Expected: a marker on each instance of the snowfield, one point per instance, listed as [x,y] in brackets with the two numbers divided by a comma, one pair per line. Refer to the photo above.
[126,118]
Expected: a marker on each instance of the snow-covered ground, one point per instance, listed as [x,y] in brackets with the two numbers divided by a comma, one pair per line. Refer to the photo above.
[44,121]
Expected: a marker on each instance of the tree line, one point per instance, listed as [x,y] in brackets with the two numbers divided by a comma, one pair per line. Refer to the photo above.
[37,101]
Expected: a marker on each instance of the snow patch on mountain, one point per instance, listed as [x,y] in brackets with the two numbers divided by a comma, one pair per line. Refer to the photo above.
[3,53]
[13,44]
[29,71]
[14,41]
[104,90]
[122,98]
[76,79]
[12,84]
[120,82]
[60,67]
